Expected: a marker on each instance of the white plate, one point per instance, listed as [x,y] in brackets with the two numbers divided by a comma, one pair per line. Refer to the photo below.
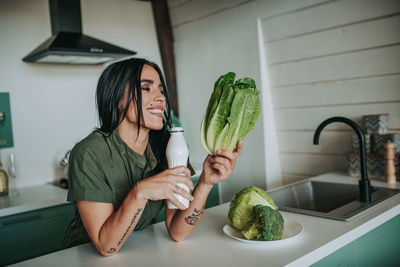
[290,231]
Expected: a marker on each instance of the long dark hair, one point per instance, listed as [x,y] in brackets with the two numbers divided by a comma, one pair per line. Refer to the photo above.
[111,89]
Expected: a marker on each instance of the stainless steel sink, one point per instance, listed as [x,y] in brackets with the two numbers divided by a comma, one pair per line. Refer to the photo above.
[328,200]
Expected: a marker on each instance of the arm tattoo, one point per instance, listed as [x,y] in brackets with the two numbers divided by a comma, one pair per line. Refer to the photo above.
[194,218]
[129,227]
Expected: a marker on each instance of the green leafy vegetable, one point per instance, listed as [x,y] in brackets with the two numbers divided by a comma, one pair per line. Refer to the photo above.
[232,112]
[267,224]
[241,214]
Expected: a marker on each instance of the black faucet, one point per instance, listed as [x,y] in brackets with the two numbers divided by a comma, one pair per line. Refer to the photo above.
[364,184]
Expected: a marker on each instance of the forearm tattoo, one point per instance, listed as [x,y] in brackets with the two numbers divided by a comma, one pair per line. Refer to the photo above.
[112,250]
[194,218]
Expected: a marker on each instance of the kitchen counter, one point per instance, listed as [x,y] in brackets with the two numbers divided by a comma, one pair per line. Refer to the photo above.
[209,246]
[33,198]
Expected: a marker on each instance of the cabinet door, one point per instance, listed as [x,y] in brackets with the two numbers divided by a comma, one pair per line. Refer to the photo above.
[32,234]
[376,248]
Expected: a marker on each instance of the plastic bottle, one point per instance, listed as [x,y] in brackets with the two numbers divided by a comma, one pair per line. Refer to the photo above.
[3,181]
[177,155]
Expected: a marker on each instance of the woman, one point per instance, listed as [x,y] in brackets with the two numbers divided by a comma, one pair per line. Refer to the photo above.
[118,174]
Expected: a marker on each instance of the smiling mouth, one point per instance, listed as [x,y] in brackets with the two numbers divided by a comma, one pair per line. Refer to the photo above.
[156,111]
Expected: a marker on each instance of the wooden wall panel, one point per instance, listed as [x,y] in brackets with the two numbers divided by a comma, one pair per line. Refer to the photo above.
[293,177]
[322,17]
[336,58]
[331,142]
[362,91]
[309,118]
[325,58]
[194,10]
[312,164]
[268,9]
[354,37]
[337,67]
[175,3]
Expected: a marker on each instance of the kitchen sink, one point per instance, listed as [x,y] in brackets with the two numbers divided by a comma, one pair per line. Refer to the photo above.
[328,200]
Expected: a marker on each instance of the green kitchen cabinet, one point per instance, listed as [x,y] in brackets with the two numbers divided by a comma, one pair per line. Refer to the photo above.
[379,247]
[31,234]
[212,200]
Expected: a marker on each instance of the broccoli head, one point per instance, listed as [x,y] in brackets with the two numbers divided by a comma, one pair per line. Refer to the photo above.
[267,224]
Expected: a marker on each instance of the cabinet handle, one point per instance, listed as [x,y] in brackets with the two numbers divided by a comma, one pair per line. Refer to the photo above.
[23,219]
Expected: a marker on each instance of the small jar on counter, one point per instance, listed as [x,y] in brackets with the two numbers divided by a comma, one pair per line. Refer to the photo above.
[3,181]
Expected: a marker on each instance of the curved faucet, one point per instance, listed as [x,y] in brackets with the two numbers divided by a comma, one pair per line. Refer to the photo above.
[363,184]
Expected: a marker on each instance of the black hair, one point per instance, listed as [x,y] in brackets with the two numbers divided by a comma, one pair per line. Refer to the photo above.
[111,90]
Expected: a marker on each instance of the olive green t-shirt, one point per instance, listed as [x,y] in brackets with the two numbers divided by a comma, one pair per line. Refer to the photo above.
[102,168]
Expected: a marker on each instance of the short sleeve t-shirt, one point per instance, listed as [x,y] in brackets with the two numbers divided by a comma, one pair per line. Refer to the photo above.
[102,168]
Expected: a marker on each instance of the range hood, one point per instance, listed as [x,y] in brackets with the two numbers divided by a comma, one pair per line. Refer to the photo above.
[67,44]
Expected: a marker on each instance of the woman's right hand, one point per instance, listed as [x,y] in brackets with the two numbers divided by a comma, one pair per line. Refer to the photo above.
[164,184]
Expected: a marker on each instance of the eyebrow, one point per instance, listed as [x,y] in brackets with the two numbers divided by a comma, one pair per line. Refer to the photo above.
[149,81]
[146,81]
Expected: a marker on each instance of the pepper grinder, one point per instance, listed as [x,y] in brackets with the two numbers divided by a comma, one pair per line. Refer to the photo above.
[12,176]
[390,168]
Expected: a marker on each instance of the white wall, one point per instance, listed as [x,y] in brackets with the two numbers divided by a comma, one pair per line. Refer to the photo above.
[329,58]
[53,106]
[211,39]
[323,58]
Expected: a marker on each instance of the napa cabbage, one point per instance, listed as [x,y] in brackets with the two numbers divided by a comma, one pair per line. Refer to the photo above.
[232,112]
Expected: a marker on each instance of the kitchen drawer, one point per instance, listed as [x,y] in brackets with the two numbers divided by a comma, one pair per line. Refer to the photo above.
[32,234]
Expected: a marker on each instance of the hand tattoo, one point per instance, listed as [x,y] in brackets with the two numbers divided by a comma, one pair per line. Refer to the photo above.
[111,250]
[194,218]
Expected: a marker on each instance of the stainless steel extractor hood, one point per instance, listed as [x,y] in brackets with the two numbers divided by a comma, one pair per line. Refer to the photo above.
[67,44]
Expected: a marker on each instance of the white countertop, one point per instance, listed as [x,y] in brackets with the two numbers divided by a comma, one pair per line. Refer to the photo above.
[209,246]
[33,198]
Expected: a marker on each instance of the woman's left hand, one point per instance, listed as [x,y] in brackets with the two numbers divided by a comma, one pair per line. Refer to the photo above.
[217,168]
